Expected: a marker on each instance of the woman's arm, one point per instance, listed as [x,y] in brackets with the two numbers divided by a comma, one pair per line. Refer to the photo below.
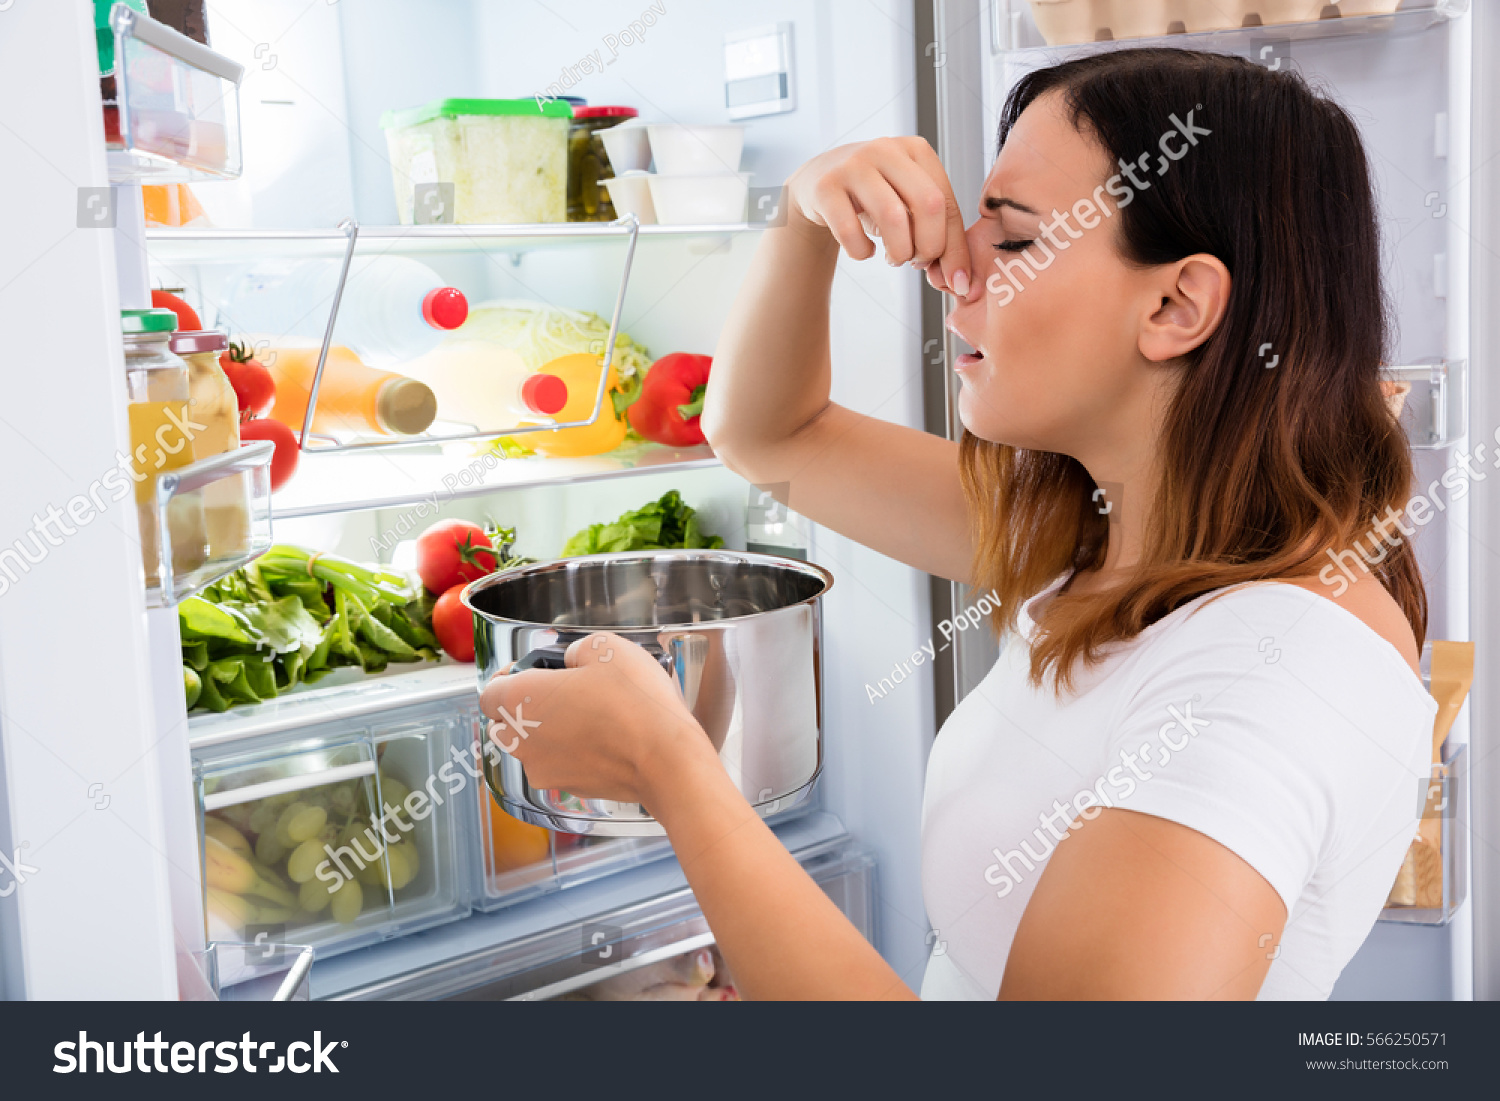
[767,410]
[1139,907]
[781,935]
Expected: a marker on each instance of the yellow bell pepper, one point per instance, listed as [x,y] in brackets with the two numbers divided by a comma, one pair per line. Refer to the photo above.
[581,372]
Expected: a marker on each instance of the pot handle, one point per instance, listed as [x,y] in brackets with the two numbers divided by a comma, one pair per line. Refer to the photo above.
[683,658]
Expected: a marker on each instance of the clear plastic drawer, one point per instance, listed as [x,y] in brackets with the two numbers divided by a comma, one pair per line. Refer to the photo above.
[177,116]
[335,838]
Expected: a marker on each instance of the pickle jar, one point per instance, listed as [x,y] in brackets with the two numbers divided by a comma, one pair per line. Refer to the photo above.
[588,163]
[215,412]
[161,440]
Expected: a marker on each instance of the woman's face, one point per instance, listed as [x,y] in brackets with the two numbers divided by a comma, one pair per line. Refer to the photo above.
[1058,365]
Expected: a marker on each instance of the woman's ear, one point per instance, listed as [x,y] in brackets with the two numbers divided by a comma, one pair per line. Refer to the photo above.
[1192,295]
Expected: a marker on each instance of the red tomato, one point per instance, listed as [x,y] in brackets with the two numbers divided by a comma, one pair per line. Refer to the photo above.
[454,625]
[254,388]
[288,451]
[453,552]
[187,317]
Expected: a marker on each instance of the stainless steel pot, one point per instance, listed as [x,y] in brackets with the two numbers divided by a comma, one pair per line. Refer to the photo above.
[740,633]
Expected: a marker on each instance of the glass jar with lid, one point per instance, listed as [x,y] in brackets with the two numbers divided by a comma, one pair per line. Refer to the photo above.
[588,163]
[213,406]
[161,440]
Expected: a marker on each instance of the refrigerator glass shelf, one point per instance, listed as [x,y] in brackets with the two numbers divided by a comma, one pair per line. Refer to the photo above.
[217,516]
[217,246]
[1433,885]
[1215,25]
[354,482]
[176,118]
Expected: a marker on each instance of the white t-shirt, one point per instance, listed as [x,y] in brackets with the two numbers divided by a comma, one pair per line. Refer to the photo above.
[1265,717]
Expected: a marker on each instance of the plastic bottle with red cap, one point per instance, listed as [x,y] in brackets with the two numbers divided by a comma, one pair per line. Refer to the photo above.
[487,387]
[394,309]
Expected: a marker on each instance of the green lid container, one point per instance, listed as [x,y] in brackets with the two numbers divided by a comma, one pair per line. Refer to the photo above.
[452,108]
[104,37]
[147,321]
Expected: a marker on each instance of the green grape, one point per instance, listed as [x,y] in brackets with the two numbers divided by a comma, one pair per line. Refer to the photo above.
[301,822]
[347,901]
[314,896]
[355,828]
[400,871]
[392,791]
[302,865]
[269,850]
[373,873]
[342,798]
[263,817]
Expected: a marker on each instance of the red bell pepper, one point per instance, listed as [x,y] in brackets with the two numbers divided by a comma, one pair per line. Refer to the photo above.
[671,400]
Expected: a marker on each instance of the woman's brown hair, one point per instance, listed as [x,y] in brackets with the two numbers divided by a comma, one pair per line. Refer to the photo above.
[1263,468]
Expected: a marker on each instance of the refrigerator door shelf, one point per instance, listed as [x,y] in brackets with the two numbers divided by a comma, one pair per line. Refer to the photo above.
[1435,409]
[177,117]
[1433,885]
[216,514]
[1201,24]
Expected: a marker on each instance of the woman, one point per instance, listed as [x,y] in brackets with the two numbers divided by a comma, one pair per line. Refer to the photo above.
[1174,435]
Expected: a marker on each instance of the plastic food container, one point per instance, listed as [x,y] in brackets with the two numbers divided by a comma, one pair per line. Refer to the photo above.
[589,163]
[680,149]
[212,404]
[700,200]
[1064,22]
[506,159]
[628,147]
[631,194]
[160,441]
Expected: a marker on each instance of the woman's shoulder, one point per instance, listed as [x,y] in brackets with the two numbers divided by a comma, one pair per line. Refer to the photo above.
[1352,645]
[1368,601]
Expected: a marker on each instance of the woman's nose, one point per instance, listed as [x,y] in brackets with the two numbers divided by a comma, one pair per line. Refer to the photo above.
[979,262]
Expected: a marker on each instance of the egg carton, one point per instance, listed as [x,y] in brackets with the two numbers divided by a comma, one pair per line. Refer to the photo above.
[1067,22]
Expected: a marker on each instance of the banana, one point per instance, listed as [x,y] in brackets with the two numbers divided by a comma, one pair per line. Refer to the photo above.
[314,896]
[223,831]
[229,871]
[231,909]
[224,868]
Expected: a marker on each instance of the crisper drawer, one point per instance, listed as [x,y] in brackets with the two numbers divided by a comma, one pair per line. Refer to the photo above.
[605,955]
[335,835]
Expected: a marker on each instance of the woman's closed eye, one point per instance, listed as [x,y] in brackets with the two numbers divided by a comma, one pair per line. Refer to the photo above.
[1014,246]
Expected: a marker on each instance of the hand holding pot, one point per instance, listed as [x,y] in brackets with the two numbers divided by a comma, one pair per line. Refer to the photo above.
[602,728]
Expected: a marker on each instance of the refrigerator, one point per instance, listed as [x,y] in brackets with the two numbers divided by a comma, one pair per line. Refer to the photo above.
[105,777]
[107,781]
